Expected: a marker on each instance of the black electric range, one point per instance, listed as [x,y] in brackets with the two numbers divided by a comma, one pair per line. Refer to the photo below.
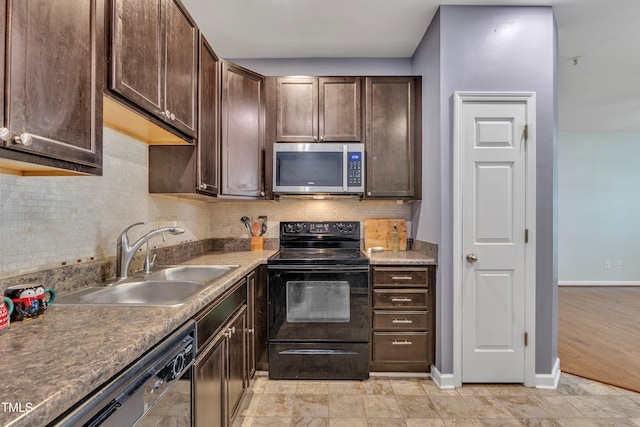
[318,302]
[319,243]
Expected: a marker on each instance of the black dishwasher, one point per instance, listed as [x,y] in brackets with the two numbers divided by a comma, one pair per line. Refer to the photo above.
[154,390]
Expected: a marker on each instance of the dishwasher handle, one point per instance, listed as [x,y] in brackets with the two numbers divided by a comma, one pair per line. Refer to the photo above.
[104,414]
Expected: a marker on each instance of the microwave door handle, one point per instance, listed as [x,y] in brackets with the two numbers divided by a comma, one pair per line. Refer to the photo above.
[345,168]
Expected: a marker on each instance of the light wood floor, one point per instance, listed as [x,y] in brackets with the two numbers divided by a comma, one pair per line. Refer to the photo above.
[599,334]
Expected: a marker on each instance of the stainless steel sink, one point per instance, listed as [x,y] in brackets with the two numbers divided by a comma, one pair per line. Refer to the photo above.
[142,293]
[169,286]
[192,273]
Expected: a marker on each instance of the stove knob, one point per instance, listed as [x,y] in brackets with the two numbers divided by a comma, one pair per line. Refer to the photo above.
[298,227]
[340,226]
[349,227]
[288,228]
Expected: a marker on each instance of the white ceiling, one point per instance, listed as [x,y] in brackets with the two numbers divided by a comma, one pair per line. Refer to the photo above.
[599,94]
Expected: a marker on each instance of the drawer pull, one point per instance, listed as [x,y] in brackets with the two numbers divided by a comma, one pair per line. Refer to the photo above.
[401,321]
[401,299]
[401,277]
[405,342]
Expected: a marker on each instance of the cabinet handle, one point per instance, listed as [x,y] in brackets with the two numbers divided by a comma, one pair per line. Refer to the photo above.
[401,277]
[24,139]
[405,342]
[315,138]
[322,139]
[401,321]
[250,330]
[5,134]
[401,299]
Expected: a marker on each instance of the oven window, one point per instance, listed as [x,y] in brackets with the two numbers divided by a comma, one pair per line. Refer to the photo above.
[318,301]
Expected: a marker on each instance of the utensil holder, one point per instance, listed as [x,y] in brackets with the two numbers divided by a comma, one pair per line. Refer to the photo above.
[257,243]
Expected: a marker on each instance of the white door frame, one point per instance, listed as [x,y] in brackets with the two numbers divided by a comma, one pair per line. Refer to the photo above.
[460,98]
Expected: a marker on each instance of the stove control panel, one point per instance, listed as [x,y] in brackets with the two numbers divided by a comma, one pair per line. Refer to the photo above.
[319,228]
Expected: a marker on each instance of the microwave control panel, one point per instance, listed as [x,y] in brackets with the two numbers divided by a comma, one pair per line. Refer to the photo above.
[355,169]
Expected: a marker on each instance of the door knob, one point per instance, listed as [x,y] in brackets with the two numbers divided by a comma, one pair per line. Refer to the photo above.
[472,257]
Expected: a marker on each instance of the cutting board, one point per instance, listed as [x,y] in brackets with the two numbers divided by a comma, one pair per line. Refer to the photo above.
[377,232]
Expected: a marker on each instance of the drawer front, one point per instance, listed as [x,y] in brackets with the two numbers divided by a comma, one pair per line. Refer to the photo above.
[399,277]
[400,347]
[400,298]
[400,320]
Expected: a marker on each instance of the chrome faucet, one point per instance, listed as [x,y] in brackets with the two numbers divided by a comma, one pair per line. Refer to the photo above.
[125,252]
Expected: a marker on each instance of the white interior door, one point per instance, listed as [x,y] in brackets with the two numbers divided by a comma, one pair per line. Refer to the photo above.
[493,233]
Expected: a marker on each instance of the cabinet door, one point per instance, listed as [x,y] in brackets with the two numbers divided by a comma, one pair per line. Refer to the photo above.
[242,127]
[237,360]
[390,105]
[210,385]
[208,135]
[180,68]
[54,79]
[136,52]
[297,103]
[340,109]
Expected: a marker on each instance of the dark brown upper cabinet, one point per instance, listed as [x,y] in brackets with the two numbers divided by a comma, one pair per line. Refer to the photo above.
[186,170]
[242,129]
[209,120]
[53,74]
[154,60]
[392,116]
[324,109]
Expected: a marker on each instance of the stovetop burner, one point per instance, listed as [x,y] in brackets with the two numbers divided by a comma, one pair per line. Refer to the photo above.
[319,256]
[314,243]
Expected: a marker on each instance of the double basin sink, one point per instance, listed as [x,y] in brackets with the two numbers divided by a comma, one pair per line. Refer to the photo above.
[168,286]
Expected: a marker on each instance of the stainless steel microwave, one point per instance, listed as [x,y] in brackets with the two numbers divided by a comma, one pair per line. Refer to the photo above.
[318,168]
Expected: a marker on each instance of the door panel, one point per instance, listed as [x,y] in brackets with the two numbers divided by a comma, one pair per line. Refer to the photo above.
[340,109]
[242,127]
[181,68]
[493,159]
[51,87]
[137,52]
[297,100]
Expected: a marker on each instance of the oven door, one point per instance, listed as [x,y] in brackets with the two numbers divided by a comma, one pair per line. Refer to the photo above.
[318,304]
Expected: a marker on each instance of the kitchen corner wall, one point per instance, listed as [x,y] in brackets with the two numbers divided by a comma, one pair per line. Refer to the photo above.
[49,222]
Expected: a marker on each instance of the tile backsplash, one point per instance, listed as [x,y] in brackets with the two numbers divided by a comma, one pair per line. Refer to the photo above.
[48,222]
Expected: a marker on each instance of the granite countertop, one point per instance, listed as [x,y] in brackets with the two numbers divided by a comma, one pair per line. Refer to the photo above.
[399,258]
[50,363]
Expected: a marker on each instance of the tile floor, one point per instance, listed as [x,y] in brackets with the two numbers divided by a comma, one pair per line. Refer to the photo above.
[388,402]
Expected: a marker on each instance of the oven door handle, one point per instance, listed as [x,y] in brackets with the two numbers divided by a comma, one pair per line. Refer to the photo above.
[324,268]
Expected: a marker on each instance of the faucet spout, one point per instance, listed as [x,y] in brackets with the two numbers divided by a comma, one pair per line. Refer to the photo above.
[125,251]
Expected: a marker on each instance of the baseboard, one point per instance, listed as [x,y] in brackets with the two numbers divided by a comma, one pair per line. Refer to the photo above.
[443,381]
[549,381]
[598,283]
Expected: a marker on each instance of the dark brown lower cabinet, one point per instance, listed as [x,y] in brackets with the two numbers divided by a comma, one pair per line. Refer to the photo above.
[220,375]
[402,318]
[209,380]
[220,370]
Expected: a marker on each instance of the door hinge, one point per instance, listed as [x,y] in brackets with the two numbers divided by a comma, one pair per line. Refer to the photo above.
[526,235]
[525,133]
[526,339]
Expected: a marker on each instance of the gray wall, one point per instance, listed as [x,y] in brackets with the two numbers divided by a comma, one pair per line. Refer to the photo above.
[491,48]
[328,66]
[599,192]
[426,219]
